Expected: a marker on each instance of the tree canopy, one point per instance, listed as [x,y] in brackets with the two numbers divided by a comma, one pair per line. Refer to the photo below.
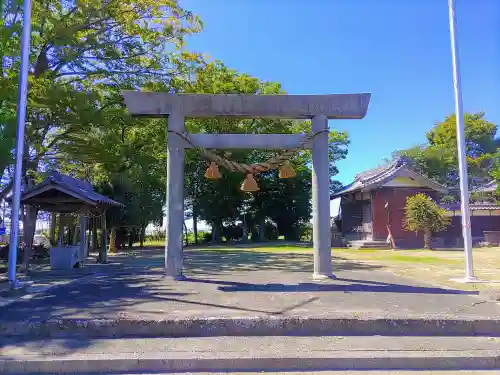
[285,202]
[438,157]
[83,54]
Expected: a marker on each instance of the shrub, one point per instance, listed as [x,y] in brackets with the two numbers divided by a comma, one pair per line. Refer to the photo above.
[422,214]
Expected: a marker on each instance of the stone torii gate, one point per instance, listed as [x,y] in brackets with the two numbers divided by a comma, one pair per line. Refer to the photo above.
[318,108]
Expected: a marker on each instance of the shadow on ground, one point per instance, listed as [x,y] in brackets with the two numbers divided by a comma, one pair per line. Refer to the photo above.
[347,286]
[213,262]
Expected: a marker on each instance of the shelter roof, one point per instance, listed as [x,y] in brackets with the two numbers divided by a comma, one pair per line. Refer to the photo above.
[63,193]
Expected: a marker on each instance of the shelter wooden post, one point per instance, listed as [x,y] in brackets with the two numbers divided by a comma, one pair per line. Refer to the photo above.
[83,236]
[94,234]
[53,224]
[321,199]
[175,197]
[60,236]
[104,240]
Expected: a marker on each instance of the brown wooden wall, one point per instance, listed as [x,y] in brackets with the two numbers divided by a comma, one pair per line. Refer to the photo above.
[397,200]
[453,235]
[352,216]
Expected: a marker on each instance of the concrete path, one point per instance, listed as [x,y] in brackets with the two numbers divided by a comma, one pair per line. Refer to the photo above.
[224,283]
[243,284]
[247,285]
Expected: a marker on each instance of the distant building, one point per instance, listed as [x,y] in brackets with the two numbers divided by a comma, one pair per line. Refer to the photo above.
[372,206]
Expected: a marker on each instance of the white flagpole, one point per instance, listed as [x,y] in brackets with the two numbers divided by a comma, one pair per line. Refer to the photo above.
[21,119]
[462,161]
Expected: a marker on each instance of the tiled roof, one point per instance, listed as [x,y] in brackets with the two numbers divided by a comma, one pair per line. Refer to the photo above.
[487,188]
[79,188]
[478,206]
[383,174]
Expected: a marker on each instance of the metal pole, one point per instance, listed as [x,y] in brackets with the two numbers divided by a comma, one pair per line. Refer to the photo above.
[21,118]
[462,161]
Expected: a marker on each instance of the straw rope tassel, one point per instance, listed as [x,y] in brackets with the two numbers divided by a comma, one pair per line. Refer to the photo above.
[249,184]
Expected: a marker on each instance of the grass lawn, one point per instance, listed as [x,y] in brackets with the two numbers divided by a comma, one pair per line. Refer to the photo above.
[433,266]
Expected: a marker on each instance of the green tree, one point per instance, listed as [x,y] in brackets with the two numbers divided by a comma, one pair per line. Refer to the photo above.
[121,159]
[287,202]
[82,54]
[495,170]
[221,201]
[78,50]
[423,215]
[438,157]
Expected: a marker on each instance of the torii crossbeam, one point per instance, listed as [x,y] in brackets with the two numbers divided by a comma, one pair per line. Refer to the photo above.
[318,108]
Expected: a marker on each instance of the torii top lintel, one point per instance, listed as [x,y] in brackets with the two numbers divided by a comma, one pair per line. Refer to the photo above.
[334,106]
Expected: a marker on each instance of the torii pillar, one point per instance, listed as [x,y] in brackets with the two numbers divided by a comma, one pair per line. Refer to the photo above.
[318,108]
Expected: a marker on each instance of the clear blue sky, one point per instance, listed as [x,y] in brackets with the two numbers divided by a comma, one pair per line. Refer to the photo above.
[399,50]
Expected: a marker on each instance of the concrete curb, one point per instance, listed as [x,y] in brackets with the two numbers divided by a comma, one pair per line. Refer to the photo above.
[251,326]
[484,360]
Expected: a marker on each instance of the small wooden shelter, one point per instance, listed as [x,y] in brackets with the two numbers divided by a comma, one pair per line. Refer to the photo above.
[64,194]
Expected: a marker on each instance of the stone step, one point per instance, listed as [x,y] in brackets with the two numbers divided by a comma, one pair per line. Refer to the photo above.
[373,246]
[369,244]
[353,372]
[236,354]
[363,324]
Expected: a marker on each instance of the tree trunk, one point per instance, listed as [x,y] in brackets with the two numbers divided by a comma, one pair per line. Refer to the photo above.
[427,238]
[22,218]
[262,226]
[60,234]
[244,238]
[53,224]
[131,235]
[119,238]
[142,235]
[29,226]
[112,241]
[195,226]
[89,236]
[103,248]
[76,232]
[69,238]
[94,234]
[186,240]
[216,232]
